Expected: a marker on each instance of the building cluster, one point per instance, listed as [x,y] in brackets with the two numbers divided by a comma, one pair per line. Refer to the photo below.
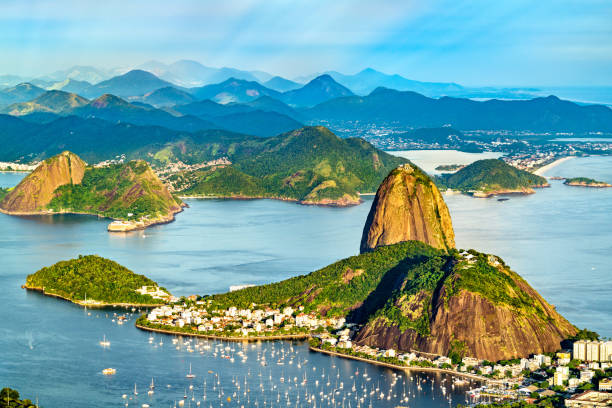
[240,322]
[171,168]
[8,166]
[593,351]
[120,159]
[156,293]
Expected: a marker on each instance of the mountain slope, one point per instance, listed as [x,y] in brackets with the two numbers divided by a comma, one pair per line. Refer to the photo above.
[65,184]
[114,109]
[35,192]
[51,101]
[410,296]
[367,80]
[320,89]
[19,93]
[168,96]
[233,90]
[257,123]
[131,84]
[309,165]
[415,110]
[71,85]
[281,84]
[408,206]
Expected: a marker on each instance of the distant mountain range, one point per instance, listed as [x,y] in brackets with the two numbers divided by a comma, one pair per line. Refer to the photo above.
[415,110]
[141,98]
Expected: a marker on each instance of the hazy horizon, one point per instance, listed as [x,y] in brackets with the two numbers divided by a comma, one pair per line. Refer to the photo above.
[515,44]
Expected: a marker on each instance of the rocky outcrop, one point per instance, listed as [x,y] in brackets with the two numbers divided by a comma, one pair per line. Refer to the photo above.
[408,206]
[516,322]
[35,191]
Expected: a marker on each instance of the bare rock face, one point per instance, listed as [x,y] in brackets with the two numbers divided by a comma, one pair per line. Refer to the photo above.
[469,312]
[408,206]
[36,190]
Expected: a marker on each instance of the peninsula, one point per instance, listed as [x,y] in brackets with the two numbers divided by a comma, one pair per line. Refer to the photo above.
[585,182]
[487,178]
[94,281]
[309,166]
[409,292]
[129,193]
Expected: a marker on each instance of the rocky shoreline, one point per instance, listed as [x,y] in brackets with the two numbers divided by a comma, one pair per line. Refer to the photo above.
[303,336]
[322,203]
[86,304]
[406,368]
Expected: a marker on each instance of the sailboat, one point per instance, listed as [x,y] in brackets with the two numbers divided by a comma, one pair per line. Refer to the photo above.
[135,390]
[104,342]
[190,375]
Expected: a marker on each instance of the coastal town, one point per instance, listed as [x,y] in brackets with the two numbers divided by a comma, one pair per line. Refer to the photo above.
[579,376]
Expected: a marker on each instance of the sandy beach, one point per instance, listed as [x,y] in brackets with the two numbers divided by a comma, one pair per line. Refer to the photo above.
[549,166]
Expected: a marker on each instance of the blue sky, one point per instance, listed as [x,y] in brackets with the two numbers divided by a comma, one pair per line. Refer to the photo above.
[478,42]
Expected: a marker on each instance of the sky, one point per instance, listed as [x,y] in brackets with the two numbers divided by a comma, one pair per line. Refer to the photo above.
[474,42]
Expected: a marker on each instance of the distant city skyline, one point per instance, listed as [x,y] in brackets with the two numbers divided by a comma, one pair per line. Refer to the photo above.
[477,43]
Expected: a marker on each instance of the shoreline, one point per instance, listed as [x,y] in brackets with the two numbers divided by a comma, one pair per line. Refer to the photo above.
[406,368]
[286,199]
[135,226]
[85,305]
[545,168]
[234,338]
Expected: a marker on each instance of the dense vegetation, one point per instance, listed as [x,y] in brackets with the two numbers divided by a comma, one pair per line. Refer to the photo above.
[3,192]
[309,164]
[336,289]
[490,175]
[10,398]
[584,181]
[94,278]
[395,285]
[116,191]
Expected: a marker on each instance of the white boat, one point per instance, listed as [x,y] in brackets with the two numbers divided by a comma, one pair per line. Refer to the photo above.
[109,371]
[190,375]
[104,342]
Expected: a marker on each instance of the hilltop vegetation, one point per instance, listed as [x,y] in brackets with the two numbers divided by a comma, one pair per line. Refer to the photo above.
[3,192]
[338,288]
[310,165]
[585,182]
[115,191]
[93,278]
[66,184]
[490,176]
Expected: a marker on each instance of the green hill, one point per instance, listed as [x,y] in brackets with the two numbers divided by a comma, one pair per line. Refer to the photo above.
[413,296]
[65,184]
[51,101]
[93,279]
[310,165]
[488,177]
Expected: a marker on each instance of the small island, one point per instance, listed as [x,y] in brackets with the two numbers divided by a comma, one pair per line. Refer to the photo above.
[94,281]
[129,193]
[585,182]
[450,167]
[491,177]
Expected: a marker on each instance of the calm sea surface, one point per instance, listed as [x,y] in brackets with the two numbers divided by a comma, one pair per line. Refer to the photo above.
[559,239]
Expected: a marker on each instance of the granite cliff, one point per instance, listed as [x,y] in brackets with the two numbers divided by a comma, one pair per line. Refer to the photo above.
[130,193]
[411,290]
[35,192]
[408,206]
[475,306]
